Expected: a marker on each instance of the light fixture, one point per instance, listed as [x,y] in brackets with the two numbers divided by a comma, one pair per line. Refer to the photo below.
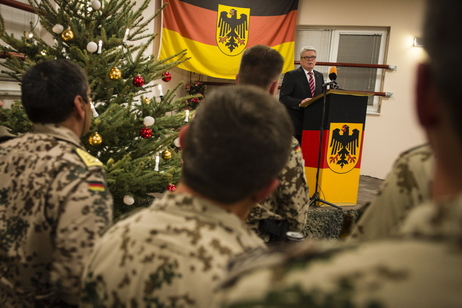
[418,42]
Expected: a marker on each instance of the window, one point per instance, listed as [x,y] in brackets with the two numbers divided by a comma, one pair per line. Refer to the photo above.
[16,22]
[343,45]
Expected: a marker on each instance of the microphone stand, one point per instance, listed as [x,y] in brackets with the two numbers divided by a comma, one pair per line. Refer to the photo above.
[315,198]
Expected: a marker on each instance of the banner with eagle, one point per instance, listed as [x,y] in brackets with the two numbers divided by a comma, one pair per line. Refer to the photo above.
[216,32]
[332,141]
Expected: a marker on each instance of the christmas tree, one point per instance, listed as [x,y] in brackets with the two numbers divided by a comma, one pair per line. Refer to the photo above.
[133,132]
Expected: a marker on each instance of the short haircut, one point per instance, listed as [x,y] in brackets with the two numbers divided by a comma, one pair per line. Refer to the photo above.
[237,142]
[49,88]
[442,28]
[260,66]
[307,48]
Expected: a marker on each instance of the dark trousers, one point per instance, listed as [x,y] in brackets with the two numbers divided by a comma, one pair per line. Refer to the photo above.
[277,229]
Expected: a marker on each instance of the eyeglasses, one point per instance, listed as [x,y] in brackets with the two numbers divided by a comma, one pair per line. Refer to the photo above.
[308,58]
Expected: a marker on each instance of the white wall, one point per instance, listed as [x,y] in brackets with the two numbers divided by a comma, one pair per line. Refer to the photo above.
[396,128]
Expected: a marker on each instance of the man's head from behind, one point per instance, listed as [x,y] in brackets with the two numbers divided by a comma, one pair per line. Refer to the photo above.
[442,42]
[260,66]
[438,100]
[238,141]
[49,89]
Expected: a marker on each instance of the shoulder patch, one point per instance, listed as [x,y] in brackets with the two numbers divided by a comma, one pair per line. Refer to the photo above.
[88,159]
[96,186]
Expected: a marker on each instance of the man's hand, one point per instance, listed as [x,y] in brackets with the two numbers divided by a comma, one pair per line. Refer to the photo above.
[305,101]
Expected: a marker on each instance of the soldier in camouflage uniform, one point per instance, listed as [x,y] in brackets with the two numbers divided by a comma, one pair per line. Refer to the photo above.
[173,253]
[287,207]
[407,186]
[54,202]
[419,267]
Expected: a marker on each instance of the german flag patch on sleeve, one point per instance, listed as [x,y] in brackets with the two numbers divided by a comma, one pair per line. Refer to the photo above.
[96,186]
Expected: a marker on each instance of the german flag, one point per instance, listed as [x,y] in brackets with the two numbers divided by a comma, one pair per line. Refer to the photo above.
[216,32]
[96,186]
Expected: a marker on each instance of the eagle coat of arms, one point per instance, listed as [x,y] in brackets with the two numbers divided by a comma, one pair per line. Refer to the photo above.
[232,33]
[343,153]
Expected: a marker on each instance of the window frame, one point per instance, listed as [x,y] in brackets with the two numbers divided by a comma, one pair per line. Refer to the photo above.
[17,22]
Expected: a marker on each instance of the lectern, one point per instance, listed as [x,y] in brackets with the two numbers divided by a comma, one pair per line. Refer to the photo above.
[332,140]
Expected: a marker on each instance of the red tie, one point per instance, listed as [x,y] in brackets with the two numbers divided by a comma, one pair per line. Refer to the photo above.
[311,80]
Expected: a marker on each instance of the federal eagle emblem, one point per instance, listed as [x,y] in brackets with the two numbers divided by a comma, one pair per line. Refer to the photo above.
[344,147]
[232,29]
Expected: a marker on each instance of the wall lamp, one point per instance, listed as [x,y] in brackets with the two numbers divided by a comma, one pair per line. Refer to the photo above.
[418,42]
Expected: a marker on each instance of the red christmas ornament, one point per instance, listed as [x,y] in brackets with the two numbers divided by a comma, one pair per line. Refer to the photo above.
[145,132]
[138,81]
[171,187]
[166,76]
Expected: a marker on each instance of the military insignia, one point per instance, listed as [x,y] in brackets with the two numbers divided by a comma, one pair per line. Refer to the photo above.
[344,146]
[232,33]
[88,159]
[96,186]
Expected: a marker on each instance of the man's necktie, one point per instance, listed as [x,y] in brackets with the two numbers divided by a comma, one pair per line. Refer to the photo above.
[311,81]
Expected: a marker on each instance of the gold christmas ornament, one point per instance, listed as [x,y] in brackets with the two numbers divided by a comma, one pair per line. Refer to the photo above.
[115,73]
[147,101]
[67,35]
[95,139]
[166,154]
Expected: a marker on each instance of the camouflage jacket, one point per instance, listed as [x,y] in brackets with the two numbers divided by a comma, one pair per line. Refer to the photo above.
[53,204]
[290,201]
[171,254]
[422,267]
[406,186]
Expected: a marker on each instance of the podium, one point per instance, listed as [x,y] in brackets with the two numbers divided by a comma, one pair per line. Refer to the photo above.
[334,144]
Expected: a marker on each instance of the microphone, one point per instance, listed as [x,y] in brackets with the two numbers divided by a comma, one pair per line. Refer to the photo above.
[333,76]
[333,73]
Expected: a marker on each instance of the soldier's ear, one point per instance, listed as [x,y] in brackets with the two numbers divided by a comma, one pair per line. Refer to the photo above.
[79,106]
[182,135]
[274,87]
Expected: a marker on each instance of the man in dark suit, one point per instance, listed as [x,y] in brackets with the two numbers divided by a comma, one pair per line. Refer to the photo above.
[297,88]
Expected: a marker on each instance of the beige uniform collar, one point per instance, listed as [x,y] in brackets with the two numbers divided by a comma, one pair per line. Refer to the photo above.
[59,132]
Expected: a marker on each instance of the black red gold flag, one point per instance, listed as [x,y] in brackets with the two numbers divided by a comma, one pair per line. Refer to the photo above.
[216,32]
